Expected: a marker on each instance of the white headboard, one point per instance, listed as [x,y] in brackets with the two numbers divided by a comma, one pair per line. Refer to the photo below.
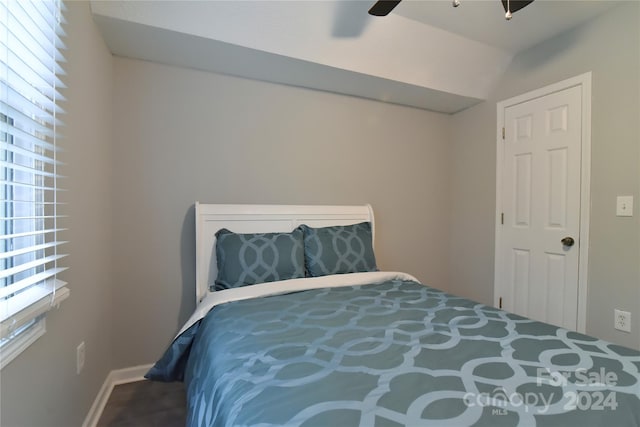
[261,219]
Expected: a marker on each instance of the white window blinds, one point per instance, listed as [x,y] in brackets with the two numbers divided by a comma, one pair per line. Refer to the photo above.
[30,54]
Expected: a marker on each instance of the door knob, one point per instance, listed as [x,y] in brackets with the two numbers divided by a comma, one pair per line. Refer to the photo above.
[568,241]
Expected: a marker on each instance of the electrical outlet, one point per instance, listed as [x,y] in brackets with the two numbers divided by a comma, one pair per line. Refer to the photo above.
[624,206]
[622,321]
[80,358]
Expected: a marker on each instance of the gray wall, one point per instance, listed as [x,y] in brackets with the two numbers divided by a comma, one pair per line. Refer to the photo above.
[40,387]
[609,46]
[182,135]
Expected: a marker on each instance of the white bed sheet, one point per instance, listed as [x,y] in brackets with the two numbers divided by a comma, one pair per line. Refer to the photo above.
[293,285]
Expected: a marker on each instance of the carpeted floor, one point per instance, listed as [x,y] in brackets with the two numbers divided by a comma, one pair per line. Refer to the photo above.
[145,404]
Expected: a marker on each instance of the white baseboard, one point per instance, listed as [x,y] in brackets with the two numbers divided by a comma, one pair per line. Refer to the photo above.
[114,378]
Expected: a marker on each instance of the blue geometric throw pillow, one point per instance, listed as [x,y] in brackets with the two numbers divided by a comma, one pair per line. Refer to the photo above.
[247,259]
[338,249]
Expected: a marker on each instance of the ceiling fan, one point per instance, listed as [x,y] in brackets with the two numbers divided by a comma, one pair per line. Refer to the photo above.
[384,7]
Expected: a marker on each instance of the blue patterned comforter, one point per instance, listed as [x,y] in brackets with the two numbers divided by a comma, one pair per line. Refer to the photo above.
[395,353]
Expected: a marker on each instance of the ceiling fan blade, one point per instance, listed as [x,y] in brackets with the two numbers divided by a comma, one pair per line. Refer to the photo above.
[383,7]
[515,5]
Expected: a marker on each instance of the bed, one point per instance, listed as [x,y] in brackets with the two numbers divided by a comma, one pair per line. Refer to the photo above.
[338,343]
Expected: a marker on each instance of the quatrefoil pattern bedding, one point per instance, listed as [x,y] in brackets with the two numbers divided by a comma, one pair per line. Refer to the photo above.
[391,354]
[338,249]
[247,259]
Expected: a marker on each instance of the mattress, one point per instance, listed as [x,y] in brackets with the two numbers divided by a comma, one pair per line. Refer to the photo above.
[392,352]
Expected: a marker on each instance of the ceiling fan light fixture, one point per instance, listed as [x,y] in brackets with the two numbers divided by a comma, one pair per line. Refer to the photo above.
[384,7]
[512,6]
[507,14]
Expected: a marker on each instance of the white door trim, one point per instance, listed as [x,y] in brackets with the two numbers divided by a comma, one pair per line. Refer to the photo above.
[584,81]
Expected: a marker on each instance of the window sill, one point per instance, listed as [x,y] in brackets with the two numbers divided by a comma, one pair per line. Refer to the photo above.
[34,312]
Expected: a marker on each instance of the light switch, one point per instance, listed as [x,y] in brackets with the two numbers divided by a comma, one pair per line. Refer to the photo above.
[624,206]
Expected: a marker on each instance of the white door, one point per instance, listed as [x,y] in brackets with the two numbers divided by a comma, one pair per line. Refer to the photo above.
[541,199]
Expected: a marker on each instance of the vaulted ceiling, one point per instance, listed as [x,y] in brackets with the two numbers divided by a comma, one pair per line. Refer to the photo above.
[424,54]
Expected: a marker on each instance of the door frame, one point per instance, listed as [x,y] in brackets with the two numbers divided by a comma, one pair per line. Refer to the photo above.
[583,81]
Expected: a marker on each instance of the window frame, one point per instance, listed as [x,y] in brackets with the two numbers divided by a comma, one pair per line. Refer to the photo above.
[29,104]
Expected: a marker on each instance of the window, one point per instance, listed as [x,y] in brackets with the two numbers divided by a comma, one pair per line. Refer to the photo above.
[30,53]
